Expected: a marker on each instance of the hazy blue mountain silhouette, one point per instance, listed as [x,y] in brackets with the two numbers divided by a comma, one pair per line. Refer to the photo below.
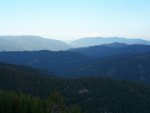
[115,45]
[71,64]
[32,43]
[59,62]
[126,67]
[112,49]
[91,41]
[6,45]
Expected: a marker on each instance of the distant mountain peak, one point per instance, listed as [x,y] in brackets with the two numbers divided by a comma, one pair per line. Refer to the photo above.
[33,43]
[92,41]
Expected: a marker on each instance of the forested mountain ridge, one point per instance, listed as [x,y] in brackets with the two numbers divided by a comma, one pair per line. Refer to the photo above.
[23,70]
[112,49]
[58,62]
[90,94]
[133,67]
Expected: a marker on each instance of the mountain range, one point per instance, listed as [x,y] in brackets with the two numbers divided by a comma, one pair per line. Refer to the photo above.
[6,45]
[134,67]
[92,41]
[58,62]
[112,49]
[36,43]
[114,60]
[30,43]
[106,75]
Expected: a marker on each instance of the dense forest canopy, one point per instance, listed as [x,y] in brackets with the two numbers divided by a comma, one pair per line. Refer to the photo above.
[12,102]
[91,95]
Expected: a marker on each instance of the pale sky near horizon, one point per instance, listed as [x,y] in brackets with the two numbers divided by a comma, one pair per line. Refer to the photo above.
[71,19]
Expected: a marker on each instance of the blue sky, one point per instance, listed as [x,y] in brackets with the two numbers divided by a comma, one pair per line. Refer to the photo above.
[71,19]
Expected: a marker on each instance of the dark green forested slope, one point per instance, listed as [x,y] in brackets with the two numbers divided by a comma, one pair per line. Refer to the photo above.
[92,95]
[12,102]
